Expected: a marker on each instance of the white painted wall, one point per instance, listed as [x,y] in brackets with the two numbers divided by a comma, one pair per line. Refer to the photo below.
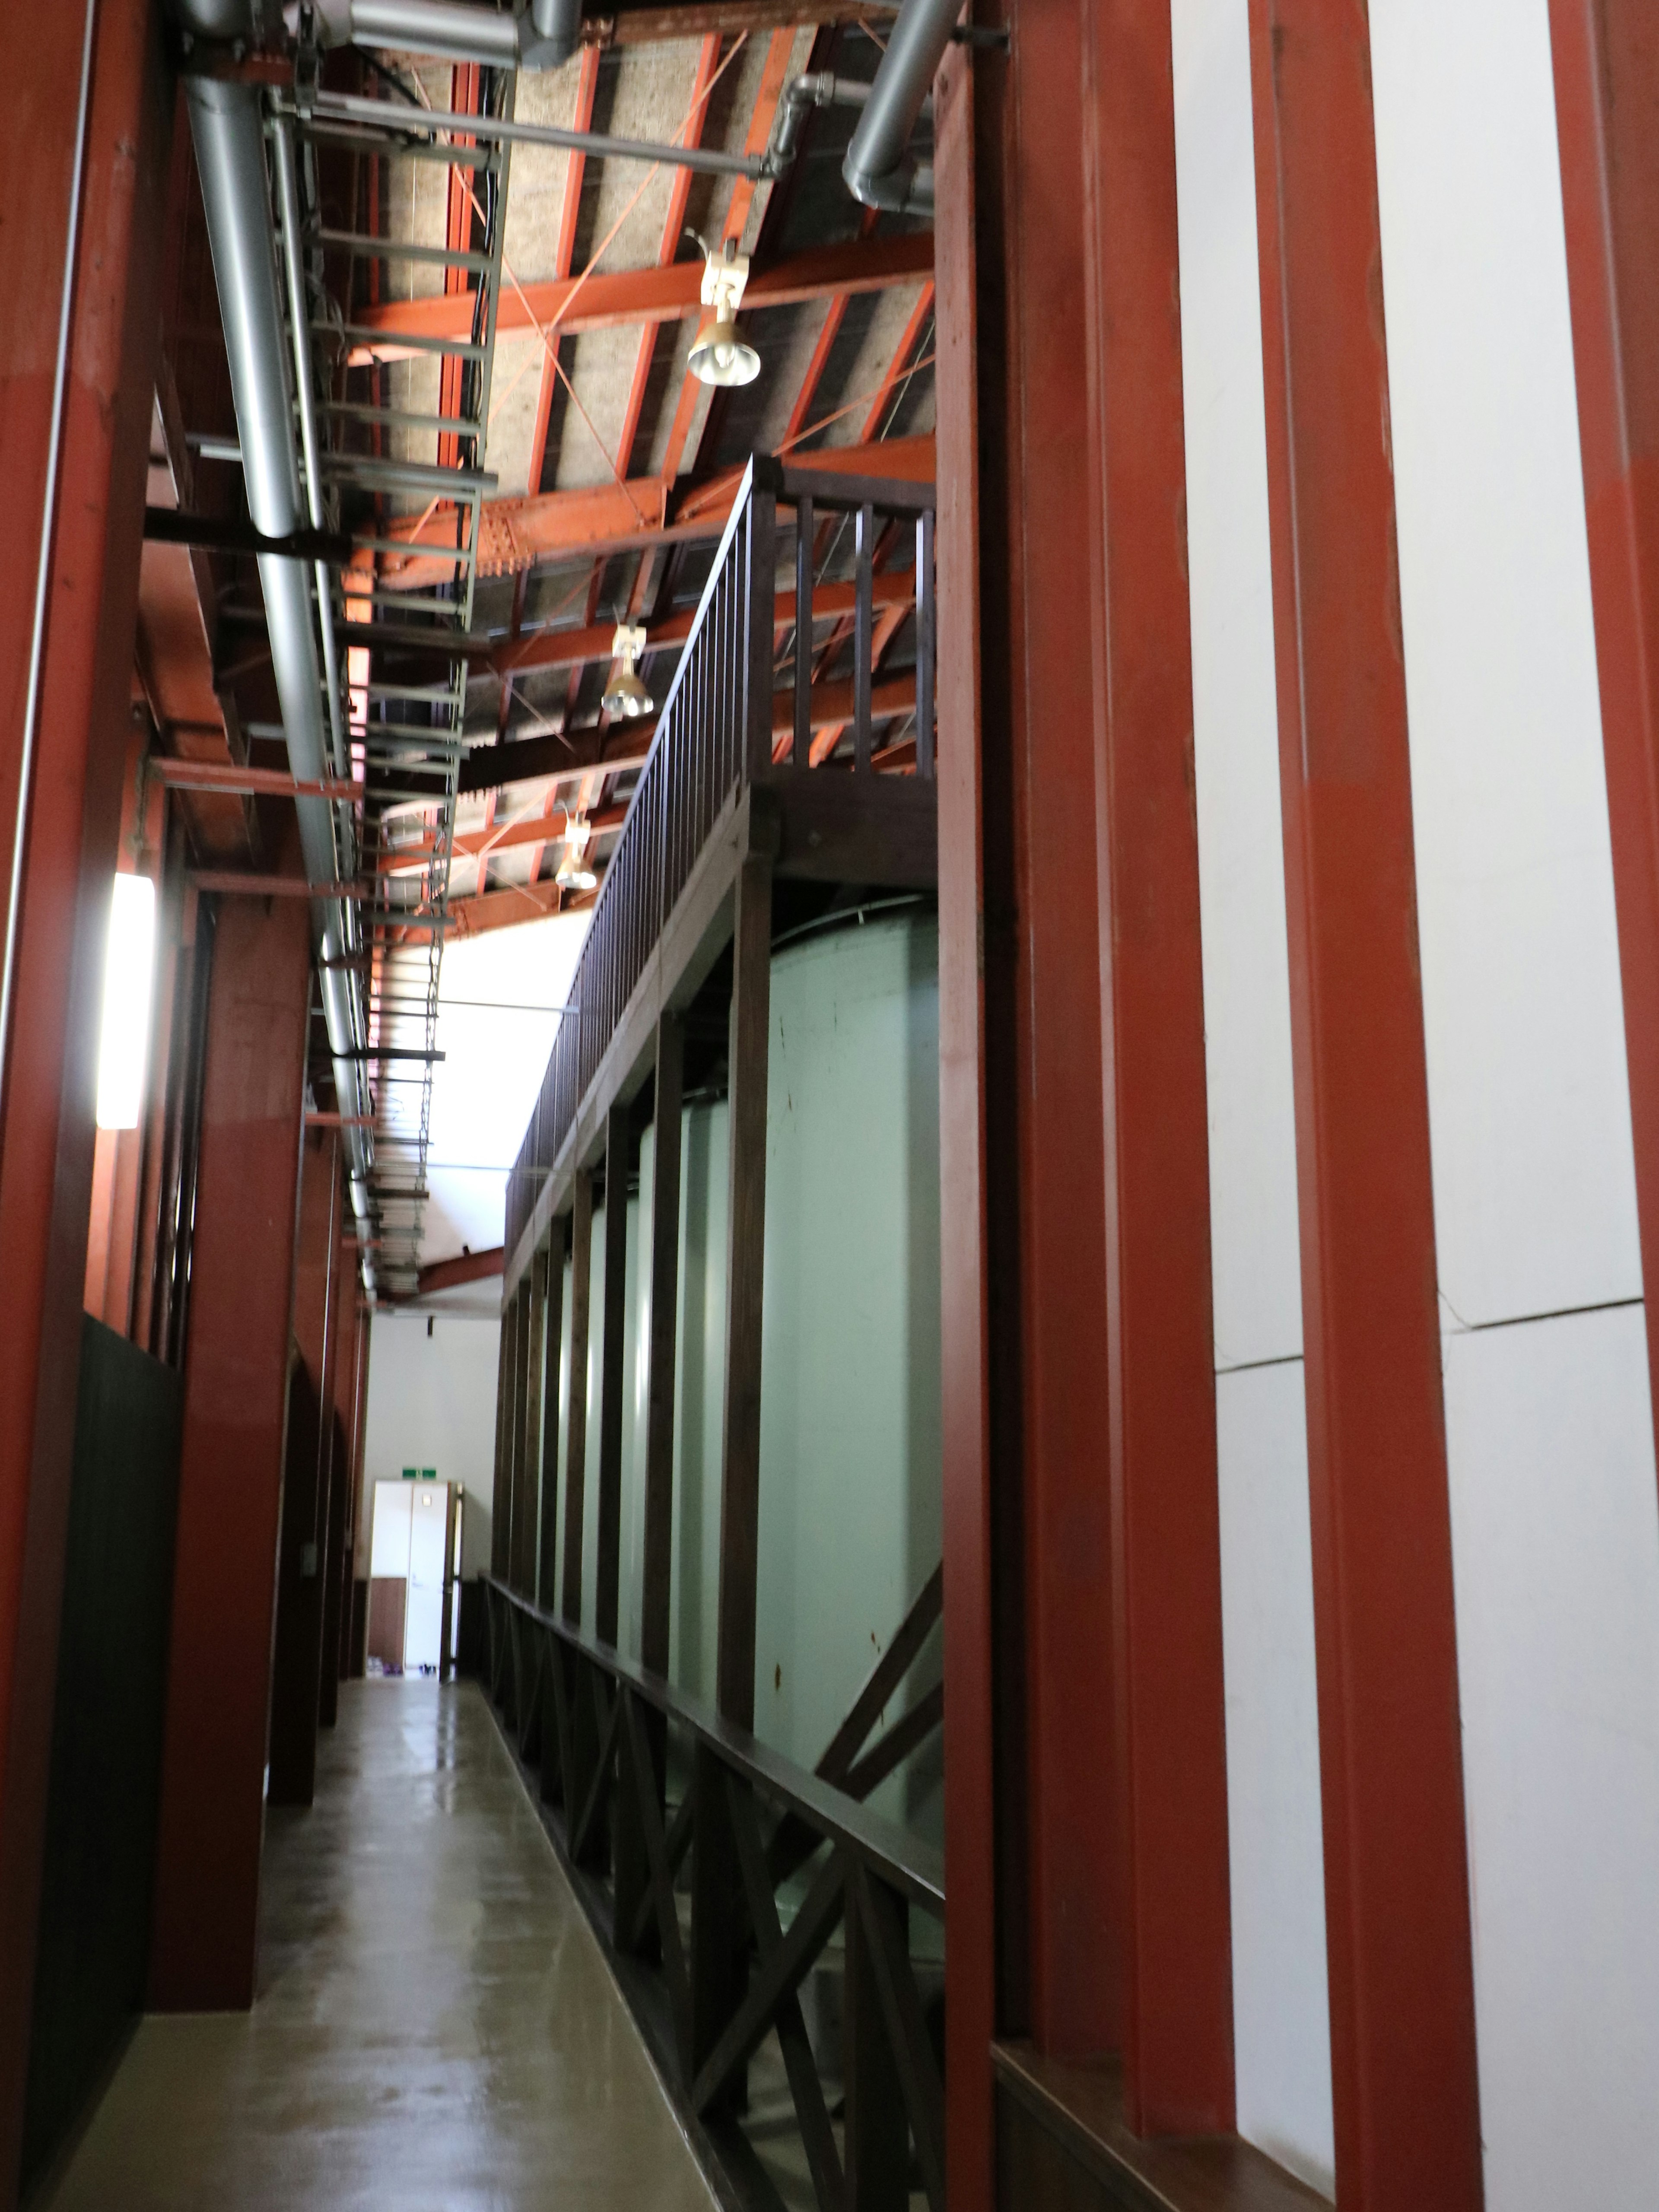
[1554,1511]
[432,1403]
[1281,2020]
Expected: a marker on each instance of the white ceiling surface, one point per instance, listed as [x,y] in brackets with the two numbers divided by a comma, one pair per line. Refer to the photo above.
[496,1045]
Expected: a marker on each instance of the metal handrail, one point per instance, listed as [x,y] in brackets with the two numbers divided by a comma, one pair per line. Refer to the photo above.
[904,1862]
[713,736]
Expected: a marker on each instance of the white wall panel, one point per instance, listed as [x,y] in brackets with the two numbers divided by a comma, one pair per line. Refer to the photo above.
[1535,1190]
[1555,1525]
[1281,2002]
[432,1403]
[1246,1004]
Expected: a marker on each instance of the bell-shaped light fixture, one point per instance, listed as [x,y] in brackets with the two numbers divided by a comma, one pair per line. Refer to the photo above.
[573,873]
[626,693]
[719,354]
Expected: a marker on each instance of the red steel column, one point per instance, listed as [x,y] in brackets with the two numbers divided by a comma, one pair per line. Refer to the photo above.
[1175,1936]
[207,1876]
[1030,1811]
[58,825]
[969,1518]
[1607,108]
[1044,1045]
[302,1542]
[1396,1878]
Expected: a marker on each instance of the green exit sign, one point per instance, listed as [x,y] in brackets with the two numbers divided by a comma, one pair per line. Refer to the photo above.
[420,1474]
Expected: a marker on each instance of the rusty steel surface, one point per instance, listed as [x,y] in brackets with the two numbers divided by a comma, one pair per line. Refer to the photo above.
[67,819]
[964,1341]
[1404,2083]
[1606,105]
[1173,1938]
[205,1931]
[1047,1166]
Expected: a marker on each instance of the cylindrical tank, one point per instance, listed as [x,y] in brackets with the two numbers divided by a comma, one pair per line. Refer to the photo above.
[849,1506]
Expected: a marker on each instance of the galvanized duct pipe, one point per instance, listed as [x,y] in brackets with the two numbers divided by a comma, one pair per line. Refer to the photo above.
[227,127]
[878,169]
[456,30]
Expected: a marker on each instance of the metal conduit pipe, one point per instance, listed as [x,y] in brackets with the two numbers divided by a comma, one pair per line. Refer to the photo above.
[456,30]
[880,169]
[817,88]
[227,130]
[299,313]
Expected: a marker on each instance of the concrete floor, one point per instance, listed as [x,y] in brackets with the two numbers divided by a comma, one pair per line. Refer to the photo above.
[436,2032]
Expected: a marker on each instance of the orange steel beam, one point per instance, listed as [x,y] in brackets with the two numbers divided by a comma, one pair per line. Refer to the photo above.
[571,648]
[514,533]
[692,393]
[1174,1935]
[464,1268]
[1607,95]
[603,301]
[673,229]
[902,351]
[833,315]
[588,83]
[1405,2091]
[265,782]
[635,26]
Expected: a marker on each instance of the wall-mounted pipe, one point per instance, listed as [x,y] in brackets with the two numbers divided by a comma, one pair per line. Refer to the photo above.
[817,88]
[227,127]
[454,30]
[879,168]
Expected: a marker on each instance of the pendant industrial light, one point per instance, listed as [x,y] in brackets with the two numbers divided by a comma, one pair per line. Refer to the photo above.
[719,354]
[626,693]
[573,873]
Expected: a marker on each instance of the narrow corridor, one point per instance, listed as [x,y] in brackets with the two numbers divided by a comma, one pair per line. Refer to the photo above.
[435,2030]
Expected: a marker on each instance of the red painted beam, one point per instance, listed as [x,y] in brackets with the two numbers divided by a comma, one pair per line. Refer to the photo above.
[1045,1174]
[1606,105]
[574,648]
[569,304]
[59,826]
[970,1515]
[1175,1941]
[205,1924]
[464,1268]
[1406,2107]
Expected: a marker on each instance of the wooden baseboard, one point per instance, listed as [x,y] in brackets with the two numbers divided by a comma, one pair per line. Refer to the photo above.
[1063,2145]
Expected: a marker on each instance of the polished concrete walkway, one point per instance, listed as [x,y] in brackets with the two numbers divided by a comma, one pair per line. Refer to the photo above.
[436,2030]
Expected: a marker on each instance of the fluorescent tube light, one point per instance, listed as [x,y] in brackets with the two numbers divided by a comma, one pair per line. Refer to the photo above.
[123,1040]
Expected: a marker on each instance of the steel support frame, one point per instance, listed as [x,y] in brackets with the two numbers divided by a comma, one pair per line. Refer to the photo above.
[1404,2084]
[1606,106]
[75,383]
[975,1868]
[1027,1494]
[1175,1937]
[205,1917]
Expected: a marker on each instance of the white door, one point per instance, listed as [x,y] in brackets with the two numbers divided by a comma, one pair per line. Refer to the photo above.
[389,1545]
[423,1621]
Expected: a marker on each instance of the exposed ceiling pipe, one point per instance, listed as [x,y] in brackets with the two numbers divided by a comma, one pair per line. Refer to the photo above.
[879,168]
[227,127]
[454,30]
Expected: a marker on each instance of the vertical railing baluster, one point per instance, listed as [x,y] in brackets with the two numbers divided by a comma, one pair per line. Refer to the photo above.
[801,750]
[760,577]
[863,632]
[927,632]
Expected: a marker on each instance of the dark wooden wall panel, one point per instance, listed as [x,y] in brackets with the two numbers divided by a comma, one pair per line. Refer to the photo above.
[104,1786]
